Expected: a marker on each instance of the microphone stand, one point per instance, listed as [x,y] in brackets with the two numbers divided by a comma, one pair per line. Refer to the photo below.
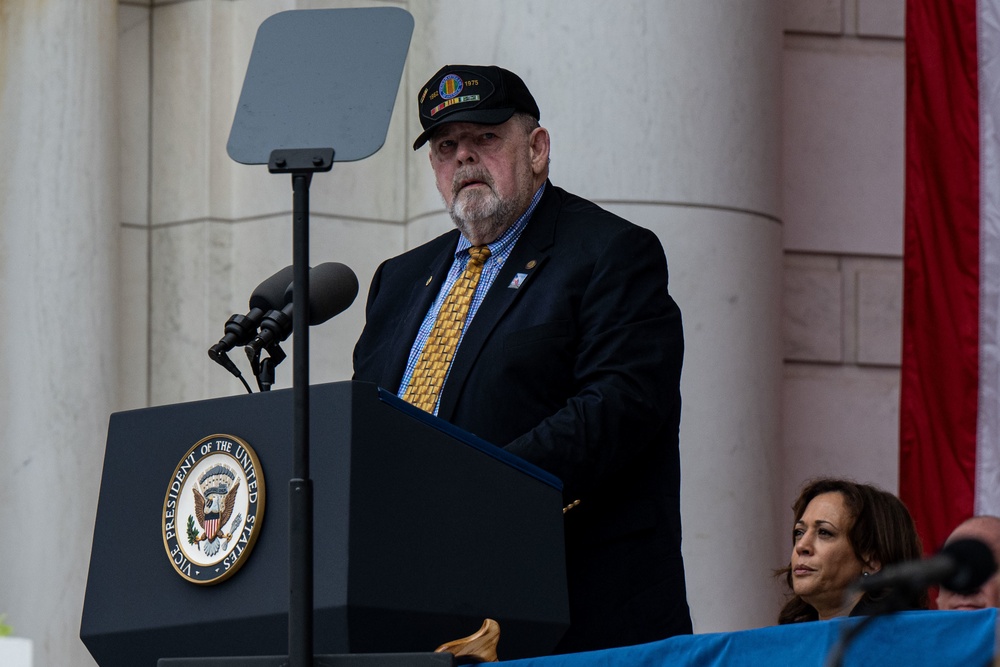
[301,164]
[309,61]
[263,369]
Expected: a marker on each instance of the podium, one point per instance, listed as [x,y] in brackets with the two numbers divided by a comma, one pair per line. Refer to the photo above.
[421,532]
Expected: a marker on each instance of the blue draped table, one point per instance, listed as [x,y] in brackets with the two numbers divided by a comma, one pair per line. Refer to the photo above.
[909,638]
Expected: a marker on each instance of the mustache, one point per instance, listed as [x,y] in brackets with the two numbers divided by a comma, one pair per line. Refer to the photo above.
[466,175]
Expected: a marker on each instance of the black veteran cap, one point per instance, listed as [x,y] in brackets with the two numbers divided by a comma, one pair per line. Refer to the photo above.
[471,94]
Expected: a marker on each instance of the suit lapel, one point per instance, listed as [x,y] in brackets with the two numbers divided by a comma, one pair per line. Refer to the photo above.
[427,282]
[518,274]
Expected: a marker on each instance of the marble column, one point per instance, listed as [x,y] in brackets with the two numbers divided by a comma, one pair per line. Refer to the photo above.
[58,267]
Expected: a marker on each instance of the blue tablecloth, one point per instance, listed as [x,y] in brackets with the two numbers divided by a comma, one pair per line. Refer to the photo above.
[964,638]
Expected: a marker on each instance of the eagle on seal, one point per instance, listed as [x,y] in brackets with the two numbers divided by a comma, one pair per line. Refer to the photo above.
[213,514]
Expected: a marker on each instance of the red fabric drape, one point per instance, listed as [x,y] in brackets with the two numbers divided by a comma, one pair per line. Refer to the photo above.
[938,394]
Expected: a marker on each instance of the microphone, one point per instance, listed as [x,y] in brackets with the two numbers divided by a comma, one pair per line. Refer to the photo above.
[332,288]
[241,329]
[961,566]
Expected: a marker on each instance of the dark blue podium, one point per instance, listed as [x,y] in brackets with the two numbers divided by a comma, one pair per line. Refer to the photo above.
[421,532]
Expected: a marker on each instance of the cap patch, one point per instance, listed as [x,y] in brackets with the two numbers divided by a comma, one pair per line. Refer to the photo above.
[458,100]
[453,92]
[450,86]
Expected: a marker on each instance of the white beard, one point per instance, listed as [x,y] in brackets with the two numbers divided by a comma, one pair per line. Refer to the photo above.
[481,213]
[475,204]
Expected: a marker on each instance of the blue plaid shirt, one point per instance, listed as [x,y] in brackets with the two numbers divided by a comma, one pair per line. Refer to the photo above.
[499,252]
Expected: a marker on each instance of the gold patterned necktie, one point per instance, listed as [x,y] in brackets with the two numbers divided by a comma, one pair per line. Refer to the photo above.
[435,359]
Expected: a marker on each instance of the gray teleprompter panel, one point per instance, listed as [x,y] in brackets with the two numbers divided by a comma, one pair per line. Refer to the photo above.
[321,78]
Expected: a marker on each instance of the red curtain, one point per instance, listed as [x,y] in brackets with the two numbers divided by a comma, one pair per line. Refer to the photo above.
[939,384]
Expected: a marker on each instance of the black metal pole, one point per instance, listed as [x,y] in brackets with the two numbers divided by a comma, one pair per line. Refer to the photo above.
[300,576]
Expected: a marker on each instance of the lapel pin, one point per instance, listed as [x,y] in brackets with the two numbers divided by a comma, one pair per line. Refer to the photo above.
[516,282]
[531,264]
[428,281]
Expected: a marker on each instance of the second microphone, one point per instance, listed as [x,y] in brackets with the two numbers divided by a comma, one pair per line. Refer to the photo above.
[332,288]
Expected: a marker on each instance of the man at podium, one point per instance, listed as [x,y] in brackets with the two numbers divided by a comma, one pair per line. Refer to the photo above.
[543,324]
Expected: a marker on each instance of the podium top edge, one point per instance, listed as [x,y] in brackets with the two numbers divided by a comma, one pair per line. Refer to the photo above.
[471,440]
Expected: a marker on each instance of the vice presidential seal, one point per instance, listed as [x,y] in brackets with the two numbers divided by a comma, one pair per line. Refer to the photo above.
[213,509]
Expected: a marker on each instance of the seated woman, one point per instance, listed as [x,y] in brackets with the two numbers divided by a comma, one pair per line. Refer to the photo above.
[844,530]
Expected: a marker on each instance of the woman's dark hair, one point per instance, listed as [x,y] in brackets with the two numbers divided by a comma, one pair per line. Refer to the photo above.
[881,530]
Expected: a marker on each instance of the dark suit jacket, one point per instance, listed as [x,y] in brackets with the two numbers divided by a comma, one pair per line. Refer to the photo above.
[576,370]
